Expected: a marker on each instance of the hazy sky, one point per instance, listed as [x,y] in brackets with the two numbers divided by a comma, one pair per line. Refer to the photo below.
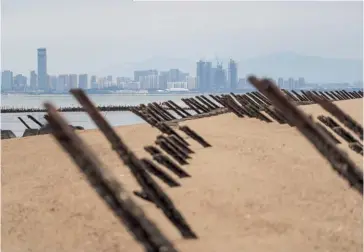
[89,35]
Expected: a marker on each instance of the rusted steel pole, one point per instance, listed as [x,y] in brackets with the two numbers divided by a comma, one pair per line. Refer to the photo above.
[159,112]
[180,109]
[166,161]
[159,173]
[166,112]
[23,122]
[198,105]
[35,120]
[209,101]
[216,98]
[208,105]
[149,186]
[192,106]
[191,133]
[175,110]
[107,187]
[339,160]
[343,117]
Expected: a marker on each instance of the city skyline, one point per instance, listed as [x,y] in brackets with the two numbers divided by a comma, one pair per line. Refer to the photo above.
[209,78]
[285,64]
[130,32]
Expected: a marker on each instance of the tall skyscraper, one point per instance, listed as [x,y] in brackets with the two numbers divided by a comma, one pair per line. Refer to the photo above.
[7,80]
[33,80]
[301,82]
[109,81]
[73,81]
[42,70]
[53,82]
[163,79]
[191,82]
[233,75]
[62,83]
[219,78]
[290,83]
[138,74]
[83,81]
[149,81]
[94,84]
[203,76]
[280,83]
[19,83]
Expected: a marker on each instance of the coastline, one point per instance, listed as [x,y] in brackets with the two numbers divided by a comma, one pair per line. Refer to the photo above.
[268,197]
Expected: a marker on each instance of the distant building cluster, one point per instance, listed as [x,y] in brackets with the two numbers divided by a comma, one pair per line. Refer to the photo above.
[208,78]
[290,83]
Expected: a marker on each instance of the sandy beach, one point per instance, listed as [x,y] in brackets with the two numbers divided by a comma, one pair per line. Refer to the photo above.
[260,187]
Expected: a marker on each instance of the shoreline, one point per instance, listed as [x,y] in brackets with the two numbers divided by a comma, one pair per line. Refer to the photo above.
[267,197]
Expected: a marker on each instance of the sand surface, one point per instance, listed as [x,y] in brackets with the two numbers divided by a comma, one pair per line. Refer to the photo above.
[261,187]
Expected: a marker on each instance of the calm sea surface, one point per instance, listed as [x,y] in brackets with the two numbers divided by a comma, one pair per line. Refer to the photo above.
[11,121]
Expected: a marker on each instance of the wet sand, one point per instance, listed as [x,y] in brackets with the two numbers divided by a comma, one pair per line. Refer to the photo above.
[261,187]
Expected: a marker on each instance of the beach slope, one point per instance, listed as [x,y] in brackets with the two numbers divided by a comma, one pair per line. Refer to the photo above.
[261,187]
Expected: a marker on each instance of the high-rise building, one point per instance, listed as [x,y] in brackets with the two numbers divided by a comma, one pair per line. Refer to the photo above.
[93,82]
[232,75]
[72,81]
[204,76]
[33,80]
[83,81]
[163,79]
[62,83]
[140,73]
[42,70]
[102,82]
[109,81]
[280,83]
[6,80]
[290,83]
[175,75]
[53,82]
[19,83]
[149,81]
[177,84]
[218,81]
[191,82]
[301,82]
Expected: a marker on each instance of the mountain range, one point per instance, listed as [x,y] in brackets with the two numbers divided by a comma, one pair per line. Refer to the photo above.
[284,64]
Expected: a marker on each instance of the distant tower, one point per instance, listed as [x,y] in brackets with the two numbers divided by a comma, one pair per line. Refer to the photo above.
[73,81]
[233,75]
[280,83]
[200,81]
[83,81]
[33,80]
[7,80]
[42,69]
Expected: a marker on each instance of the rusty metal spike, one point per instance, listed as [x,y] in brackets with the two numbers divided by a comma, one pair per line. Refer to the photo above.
[180,109]
[191,133]
[156,171]
[136,167]
[110,190]
[343,117]
[339,160]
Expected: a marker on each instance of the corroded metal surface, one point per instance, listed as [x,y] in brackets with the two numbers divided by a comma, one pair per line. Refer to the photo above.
[343,117]
[163,176]
[191,133]
[107,187]
[339,160]
[166,161]
[149,186]
[171,151]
